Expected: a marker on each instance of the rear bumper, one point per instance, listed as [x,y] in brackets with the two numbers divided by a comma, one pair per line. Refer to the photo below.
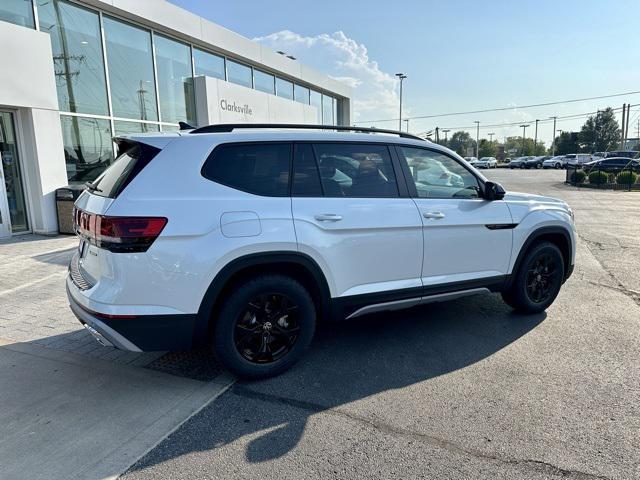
[140,333]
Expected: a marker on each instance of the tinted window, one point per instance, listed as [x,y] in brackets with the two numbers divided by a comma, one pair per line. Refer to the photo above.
[306,179]
[175,81]
[261,169]
[264,82]
[350,170]
[284,88]
[301,94]
[77,56]
[208,64]
[134,158]
[19,12]
[439,176]
[133,91]
[238,73]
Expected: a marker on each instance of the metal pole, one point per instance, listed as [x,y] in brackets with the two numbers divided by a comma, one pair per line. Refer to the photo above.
[535,139]
[553,142]
[401,76]
[624,111]
[407,120]
[626,130]
[524,128]
[477,137]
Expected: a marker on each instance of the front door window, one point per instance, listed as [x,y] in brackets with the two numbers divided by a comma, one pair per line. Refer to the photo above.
[11,172]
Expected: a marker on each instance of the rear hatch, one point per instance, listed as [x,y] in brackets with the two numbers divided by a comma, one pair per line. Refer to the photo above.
[102,235]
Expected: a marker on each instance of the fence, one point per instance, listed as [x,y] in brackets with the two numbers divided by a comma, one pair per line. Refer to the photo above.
[627,178]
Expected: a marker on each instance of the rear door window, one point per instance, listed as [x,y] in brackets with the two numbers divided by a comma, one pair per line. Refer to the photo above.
[356,170]
[257,168]
[130,162]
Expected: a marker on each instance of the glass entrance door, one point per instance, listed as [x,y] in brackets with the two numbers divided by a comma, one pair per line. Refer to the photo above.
[13,205]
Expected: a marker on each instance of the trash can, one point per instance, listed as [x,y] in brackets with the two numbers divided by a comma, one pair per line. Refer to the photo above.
[65,198]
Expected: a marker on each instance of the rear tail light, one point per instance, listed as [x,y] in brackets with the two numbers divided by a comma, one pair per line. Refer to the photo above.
[118,234]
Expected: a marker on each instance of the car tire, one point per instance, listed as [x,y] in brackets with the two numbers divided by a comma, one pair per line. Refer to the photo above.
[557,165]
[537,281]
[241,340]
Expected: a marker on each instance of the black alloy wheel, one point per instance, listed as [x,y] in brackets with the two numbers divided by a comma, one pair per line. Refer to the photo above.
[267,329]
[542,275]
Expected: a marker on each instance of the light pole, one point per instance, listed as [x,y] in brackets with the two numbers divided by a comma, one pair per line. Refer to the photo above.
[446,137]
[477,137]
[535,138]
[401,76]
[524,129]
[553,142]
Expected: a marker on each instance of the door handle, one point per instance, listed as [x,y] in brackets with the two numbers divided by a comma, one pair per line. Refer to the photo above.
[328,217]
[433,215]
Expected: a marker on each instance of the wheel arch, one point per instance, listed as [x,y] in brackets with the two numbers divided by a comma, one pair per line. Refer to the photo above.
[559,236]
[295,264]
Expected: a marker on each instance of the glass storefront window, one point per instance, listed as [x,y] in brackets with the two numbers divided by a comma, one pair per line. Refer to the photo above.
[239,73]
[88,149]
[264,82]
[335,111]
[315,100]
[77,56]
[10,165]
[301,94]
[175,81]
[327,110]
[133,91]
[208,64]
[19,12]
[122,128]
[284,88]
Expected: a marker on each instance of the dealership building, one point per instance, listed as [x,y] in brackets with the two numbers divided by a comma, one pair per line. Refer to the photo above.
[75,73]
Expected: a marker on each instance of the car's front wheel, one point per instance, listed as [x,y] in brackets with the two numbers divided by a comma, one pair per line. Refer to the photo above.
[537,281]
[264,326]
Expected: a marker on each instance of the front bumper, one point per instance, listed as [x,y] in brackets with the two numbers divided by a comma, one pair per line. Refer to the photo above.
[140,333]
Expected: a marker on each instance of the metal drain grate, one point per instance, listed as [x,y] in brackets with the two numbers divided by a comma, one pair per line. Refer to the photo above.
[195,364]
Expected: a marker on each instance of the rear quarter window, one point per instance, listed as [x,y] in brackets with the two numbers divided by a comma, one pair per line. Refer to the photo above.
[257,168]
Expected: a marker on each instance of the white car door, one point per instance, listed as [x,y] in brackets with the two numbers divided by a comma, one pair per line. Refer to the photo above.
[467,240]
[356,221]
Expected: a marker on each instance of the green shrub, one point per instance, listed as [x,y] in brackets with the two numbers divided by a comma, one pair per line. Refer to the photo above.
[578,176]
[626,178]
[598,178]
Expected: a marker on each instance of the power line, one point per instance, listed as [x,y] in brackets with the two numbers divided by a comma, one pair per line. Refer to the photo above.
[501,109]
[511,124]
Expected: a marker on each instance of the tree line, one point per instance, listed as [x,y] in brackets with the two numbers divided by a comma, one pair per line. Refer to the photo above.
[600,133]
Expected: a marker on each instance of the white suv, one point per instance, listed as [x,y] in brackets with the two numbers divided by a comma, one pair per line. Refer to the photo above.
[243,238]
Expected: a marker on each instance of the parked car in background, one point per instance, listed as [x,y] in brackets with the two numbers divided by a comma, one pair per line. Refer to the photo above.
[622,153]
[554,162]
[471,160]
[486,162]
[615,164]
[577,159]
[518,162]
[535,162]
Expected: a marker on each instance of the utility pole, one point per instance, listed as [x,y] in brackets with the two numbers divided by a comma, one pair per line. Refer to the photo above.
[595,137]
[401,76]
[407,121]
[626,130]
[437,135]
[553,142]
[477,137]
[491,137]
[624,111]
[446,137]
[524,129]
[535,139]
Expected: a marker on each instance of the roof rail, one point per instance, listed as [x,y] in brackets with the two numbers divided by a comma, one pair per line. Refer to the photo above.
[229,127]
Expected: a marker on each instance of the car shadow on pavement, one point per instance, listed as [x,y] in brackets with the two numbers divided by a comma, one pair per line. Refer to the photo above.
[349,361]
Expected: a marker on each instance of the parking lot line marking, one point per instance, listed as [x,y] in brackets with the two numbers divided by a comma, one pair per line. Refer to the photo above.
[34,282]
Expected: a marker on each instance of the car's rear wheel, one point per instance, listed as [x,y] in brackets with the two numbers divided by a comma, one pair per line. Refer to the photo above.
[557,165]
[537,281]
[264,327]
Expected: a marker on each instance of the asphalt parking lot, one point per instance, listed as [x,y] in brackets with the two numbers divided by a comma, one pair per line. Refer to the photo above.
[462,390]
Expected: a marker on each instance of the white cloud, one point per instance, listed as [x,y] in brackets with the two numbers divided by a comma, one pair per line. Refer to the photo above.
[375,92]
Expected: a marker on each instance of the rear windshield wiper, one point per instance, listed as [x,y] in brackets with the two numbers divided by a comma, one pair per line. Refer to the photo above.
[92,188]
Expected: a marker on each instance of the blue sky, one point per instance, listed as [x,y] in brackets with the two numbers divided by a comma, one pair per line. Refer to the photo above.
[459,54]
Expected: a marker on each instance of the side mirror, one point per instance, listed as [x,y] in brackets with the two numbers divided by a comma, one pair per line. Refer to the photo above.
[493,191]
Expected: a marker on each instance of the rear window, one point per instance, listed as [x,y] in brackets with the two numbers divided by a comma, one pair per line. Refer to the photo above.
[257,168]
[129,163]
